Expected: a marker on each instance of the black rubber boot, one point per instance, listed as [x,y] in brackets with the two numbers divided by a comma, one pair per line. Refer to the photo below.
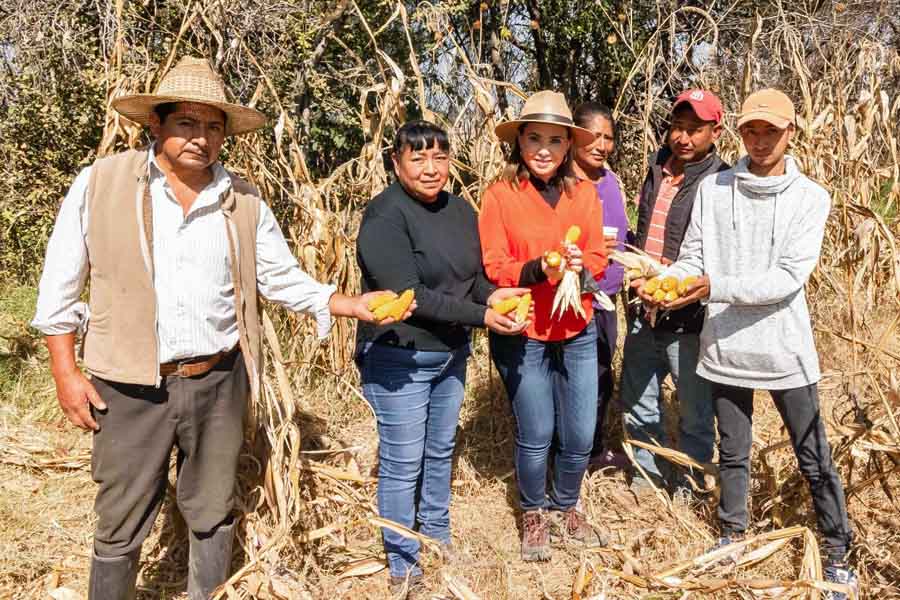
[113,578]
[209,561]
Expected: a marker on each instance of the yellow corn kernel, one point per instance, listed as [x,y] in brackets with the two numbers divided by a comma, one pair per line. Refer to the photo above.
[652,285]
[659,296]
[670,296]
[573,234]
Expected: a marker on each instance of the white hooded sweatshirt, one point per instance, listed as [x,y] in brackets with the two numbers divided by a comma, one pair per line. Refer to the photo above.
[758,239]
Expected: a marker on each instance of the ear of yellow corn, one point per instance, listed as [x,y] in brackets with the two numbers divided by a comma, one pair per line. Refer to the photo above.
[506,306]
[384,310]
[669,284]
[573,234]
[524,303]
[401,304]
[553,258]
[396,307]
[381,299]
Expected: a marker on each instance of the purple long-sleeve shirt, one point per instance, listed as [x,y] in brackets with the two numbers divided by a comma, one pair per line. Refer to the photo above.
[609,191]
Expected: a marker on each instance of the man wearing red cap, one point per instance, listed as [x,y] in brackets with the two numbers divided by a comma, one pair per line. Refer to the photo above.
[671,346]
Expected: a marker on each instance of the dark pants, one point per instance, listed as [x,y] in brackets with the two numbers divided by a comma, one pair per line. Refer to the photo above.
[201,416]
[799,409]
[607,333]
[553,389]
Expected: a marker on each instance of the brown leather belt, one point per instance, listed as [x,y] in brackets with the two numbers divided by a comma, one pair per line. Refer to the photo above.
[193,367]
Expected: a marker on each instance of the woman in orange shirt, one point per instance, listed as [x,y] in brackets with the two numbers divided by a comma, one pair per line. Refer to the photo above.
[550,373]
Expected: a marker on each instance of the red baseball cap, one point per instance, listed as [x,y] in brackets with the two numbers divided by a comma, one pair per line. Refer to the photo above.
[705,104]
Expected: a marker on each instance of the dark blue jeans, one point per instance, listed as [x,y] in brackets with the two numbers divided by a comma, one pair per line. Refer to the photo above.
[607,335]
[416,396]
[648,356]
[553,389]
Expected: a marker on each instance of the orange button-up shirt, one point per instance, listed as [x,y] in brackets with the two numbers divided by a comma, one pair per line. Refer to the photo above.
[517,225]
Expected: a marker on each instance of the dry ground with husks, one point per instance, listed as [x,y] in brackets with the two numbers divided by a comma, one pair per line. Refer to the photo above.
[46,516]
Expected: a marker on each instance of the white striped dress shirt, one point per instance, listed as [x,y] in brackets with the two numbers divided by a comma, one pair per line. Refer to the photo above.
[192,270]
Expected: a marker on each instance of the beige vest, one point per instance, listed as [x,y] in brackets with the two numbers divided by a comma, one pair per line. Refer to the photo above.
[121,341]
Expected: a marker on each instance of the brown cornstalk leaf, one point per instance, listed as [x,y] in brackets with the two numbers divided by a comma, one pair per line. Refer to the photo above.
[363,568]
[459,589]
[583,578]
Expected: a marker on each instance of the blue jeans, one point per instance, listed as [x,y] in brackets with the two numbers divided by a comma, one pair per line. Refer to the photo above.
[607,335]
[416,396]
[553,389]
[649,355]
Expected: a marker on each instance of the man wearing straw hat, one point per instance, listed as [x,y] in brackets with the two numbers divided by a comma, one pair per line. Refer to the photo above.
[176,248]
[754,239]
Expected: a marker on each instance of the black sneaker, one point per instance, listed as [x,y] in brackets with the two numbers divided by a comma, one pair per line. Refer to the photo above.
[840,572]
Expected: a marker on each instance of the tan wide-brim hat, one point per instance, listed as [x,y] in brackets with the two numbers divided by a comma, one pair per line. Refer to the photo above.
[191,80]
[544,107]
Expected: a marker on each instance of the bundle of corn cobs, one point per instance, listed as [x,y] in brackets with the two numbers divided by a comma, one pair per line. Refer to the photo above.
[568,292]
[668,289]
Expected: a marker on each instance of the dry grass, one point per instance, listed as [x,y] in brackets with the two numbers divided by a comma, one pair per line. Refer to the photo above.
[307,491]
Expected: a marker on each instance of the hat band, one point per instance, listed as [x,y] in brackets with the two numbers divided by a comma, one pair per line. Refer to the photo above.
[547,117]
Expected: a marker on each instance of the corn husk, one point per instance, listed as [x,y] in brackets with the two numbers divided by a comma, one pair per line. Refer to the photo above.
[568,296]
[604,301]
[637,259]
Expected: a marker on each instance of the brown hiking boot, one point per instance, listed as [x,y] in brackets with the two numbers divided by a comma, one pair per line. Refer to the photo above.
[535,536]
[571,527]
[407,588]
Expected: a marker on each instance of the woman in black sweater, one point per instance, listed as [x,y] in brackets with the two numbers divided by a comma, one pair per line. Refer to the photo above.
[416,236]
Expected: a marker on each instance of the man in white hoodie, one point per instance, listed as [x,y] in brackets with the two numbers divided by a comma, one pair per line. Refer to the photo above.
[754,238]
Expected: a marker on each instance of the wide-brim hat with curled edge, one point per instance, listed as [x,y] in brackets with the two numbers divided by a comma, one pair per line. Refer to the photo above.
[191,80]
[544,107]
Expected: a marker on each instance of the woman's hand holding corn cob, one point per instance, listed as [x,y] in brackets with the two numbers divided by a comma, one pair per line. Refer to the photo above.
[573,258]
[504,315]
[555,264]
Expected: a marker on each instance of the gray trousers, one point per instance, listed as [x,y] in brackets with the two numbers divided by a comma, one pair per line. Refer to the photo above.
[200,416]
[799,409]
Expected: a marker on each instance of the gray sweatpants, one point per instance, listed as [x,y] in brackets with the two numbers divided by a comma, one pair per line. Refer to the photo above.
[799,409]
[202,417]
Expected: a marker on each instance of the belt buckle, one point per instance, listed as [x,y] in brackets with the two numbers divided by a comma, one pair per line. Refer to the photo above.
[179,368]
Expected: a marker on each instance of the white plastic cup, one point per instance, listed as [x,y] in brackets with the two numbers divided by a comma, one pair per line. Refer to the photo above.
[610,231]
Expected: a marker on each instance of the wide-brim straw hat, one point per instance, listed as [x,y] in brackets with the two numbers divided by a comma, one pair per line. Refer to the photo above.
[191,80]
[544,107]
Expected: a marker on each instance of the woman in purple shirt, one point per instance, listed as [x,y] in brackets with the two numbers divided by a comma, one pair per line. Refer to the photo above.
[590,164]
